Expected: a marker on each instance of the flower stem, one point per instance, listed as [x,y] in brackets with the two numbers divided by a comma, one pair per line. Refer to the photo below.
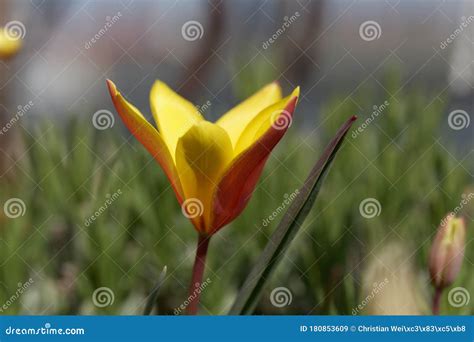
[198,271]
[437,300]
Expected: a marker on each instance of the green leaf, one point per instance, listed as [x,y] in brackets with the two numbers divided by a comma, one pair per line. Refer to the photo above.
[153,297]
[284,234]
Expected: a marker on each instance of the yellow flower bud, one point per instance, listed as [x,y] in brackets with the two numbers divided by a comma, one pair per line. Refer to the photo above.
[447,251]
[9,46]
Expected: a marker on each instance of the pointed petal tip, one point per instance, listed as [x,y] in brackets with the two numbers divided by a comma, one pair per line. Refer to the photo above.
[156,82]
[296,93]
[112,88]
[158,86]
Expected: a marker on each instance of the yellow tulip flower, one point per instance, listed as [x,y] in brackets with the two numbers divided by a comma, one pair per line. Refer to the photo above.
[213,167]
[9,46]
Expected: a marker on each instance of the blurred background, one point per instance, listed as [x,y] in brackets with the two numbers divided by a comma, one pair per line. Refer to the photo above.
[404,67]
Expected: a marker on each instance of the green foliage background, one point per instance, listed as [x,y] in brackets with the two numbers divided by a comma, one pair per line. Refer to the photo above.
[406,158]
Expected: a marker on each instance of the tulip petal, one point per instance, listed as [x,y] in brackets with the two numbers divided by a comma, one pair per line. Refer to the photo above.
[275,115]
[202,155]
[173,114]
[235,120]
[147,135]
[241,176]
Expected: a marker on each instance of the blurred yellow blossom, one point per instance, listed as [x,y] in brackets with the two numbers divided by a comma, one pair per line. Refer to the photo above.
[9,45]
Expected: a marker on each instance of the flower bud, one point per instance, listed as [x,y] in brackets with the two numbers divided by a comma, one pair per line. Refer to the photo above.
[9,46]
[447,251]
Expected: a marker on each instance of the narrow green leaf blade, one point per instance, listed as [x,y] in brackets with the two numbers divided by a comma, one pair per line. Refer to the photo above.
[284,234]
[152,298]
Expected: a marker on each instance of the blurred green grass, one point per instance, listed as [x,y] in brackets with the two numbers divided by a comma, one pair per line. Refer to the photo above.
[403,159]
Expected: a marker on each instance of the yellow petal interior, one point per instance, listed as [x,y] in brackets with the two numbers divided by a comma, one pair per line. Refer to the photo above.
[235,120]
[173,114]
[262,122]
[202,155]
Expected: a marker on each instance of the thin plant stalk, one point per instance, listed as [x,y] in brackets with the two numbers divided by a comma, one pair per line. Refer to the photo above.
[437,300]
[198,271]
